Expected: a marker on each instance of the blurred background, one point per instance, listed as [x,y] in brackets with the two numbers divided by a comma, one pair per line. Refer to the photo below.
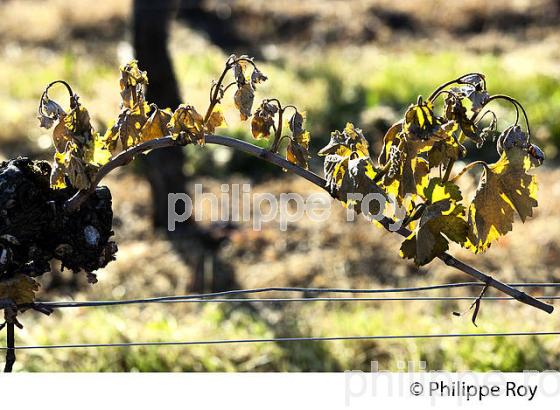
[362,61]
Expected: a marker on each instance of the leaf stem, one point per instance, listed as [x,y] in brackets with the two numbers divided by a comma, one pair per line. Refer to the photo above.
[467,168]
[506,98]
[448,170]
[457,80]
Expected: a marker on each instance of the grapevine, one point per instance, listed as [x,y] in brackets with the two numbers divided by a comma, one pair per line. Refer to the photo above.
[417,166]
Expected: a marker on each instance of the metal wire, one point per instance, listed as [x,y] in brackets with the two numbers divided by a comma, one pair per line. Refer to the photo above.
[211,297]
[214,296]
[60,305]
[282,339]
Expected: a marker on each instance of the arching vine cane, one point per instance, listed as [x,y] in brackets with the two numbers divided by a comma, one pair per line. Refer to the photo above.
[59,212]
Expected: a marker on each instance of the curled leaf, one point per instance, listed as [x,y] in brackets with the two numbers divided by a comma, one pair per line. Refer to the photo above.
[338,152]
[156,124]
[187,125]
[216,119]
[505,188]
[20,289]
[298,149]
[243,100]
[131,82]
[127,130]
[263,120]
[359,178]
[443,219]
[50,112]
[257,77]
[512,137]
[298,146]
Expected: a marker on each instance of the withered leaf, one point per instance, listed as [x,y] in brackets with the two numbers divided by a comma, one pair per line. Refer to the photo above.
[243,100]
[263,120]
[216,119]
[126,132]
[20,289]
[187,125]
[443,219]
[257,77]
[156,124]
[131,82]
[298,149]
[504,187]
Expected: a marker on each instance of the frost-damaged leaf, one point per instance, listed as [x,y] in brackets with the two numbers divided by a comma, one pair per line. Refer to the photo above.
[51,112]
[257,77]
[79,149]
[131,82]
[298,146]
[442,220]
[456,111]
[243,99]
[512,137]
[444,150]
[156,124]
[388,140]
[126,132]
[187,125]
[263,120]
[216,120]
[407,173]
[420,122]
[343,145]
[19,288]
[71,164]
[359,178]
[505,187]
[240,70]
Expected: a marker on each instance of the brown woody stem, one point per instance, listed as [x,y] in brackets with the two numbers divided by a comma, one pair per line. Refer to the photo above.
[126,156]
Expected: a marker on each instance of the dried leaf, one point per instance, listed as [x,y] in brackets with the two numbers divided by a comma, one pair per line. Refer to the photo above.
[216,119]
[443,219]
[187,125]
[156,124]
[126,132]
[359,179]
[51,112]
[131,82]
[343,146]
[505,188]
[257,77]
[243,99]
[298,149]
[20,289]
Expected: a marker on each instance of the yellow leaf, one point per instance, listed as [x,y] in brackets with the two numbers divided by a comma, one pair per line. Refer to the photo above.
[297,150]
[187,123]
[156,124]
[126,132]
[131,82]
[505,187]
[442,219]
[216,119]
[19,288]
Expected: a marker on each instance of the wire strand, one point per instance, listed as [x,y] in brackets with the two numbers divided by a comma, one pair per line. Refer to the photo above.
[282,339]
[60,305]
[214,296]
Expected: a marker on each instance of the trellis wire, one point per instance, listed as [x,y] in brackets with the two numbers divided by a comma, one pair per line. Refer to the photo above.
[283,339]
[214,296]
[221,297]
